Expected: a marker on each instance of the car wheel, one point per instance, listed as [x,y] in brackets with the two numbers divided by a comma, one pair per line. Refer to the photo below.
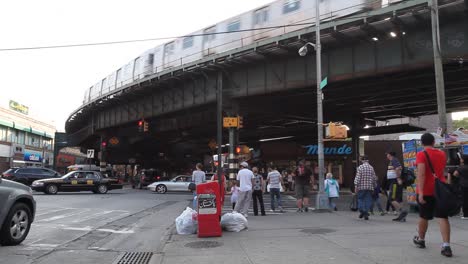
[161,189]
[102,189]
[51,189]
[16,226]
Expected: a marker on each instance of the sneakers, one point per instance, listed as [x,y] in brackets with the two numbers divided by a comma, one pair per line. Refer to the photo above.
[299,210]
[446,251]
[418,242]
[401,217]
[272,211]
[281,209]
[306,209]
[336,209]
[361,215]
[382,213]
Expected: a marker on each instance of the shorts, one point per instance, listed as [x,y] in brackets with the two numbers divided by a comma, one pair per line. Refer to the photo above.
[396,193]
[302,191]
[429,210]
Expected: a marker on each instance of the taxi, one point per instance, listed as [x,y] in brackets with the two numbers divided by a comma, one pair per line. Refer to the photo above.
[76,181]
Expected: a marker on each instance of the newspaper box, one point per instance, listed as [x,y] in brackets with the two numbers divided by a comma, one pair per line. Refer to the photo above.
[209,209]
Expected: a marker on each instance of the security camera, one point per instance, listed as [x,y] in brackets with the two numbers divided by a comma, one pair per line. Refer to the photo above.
[303,51]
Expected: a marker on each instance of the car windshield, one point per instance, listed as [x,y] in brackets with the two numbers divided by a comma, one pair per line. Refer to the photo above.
[12,170]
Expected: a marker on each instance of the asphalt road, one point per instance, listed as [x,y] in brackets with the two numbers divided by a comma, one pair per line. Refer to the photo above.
[92,228]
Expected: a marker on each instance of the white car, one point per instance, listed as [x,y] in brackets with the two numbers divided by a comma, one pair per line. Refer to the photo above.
[179,183]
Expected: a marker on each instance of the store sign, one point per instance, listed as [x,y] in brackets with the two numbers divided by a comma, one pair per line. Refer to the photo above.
[343,150]
[31,156]
[19,107]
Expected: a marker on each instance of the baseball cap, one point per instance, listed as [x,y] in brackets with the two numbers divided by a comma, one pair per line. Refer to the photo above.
[244,164]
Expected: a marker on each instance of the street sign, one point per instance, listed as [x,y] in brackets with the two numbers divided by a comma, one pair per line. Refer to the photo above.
[230,122]
[324,83]
[90,154]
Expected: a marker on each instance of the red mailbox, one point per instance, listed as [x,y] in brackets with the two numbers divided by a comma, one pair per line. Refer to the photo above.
[209,209]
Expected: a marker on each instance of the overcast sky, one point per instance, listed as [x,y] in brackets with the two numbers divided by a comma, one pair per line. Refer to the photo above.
[52,82]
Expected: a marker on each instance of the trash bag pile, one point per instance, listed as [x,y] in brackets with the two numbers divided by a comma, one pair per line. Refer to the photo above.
[233,222]
[187,223]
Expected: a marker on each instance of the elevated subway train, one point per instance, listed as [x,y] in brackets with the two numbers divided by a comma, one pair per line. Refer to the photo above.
[204,43]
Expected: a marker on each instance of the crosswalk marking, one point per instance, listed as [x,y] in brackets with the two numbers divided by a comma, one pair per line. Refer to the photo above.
[288,202]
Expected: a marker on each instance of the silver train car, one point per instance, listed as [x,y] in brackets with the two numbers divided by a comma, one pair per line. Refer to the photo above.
[194,47]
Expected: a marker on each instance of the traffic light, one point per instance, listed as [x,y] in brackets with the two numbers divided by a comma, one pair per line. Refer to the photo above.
[140,125]
[240,121]
[238,150]
[103,145]
[336,131]
[145,126]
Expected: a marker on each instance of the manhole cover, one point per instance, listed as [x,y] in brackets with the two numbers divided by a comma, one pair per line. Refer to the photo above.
[134,258]
[204,244]
[317,231]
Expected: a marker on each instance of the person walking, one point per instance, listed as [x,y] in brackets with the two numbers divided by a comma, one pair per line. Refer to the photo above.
[462,173]
[198,176]
[275,180]
[290,180]
[332,188]
[395,194]
[364,183]
[257,194]
[430,164]
[376,200]
[303,179]
[234,194]
[245,178]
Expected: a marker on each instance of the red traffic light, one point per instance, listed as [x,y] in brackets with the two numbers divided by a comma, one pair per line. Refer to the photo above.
[104,144]
[238,150]
[140,123]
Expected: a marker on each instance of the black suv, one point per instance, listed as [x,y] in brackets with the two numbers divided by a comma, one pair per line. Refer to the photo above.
[28,175]
[147,176]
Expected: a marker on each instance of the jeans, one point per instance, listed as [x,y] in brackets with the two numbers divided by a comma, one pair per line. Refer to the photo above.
[364,201]
[243,202]
[331,202]
[376,201]
[275,192]
[258,195]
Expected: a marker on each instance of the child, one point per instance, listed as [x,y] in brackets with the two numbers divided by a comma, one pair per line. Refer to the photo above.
[332,188]
[234,194]
[376,200]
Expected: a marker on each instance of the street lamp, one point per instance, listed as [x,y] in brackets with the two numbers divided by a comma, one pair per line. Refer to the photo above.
[322,200]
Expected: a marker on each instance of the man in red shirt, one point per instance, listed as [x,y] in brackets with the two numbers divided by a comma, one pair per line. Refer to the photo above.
[425,191]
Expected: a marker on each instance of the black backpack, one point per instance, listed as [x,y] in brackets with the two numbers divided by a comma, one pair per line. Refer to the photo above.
[407,176]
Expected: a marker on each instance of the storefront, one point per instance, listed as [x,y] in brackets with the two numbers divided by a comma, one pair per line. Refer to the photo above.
[285,155]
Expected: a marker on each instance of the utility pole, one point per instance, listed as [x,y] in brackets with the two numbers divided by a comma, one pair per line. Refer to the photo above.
[220,126]
[321,201]
[439,71]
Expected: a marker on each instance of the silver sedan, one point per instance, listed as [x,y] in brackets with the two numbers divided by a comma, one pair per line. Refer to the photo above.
[177,184]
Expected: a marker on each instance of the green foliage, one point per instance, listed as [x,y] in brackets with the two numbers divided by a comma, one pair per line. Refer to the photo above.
[460,123]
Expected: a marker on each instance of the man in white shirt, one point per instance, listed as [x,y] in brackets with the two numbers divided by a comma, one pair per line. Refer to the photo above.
[245,178]
[275,181]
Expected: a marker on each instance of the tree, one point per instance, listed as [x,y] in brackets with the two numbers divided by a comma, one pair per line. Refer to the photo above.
[461,123]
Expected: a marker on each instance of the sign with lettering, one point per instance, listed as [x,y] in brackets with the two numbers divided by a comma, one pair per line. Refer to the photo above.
[19,107]
[343,150]
[32,156]
[207,204]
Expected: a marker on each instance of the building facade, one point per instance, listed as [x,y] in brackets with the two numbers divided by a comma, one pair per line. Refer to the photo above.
[24,141]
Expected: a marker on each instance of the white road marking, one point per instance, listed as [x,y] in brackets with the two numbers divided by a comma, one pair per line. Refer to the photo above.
[53,211]
[124,231]
[62,216]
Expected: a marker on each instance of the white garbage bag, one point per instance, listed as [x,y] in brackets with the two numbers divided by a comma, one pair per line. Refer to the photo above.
[233,222]
[186,223]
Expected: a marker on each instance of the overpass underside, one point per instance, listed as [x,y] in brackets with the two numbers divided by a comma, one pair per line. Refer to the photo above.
[371,75]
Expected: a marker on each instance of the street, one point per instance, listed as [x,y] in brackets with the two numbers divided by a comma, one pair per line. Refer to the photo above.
[86,228]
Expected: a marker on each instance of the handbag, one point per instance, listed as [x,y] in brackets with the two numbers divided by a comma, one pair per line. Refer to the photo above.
[446,198]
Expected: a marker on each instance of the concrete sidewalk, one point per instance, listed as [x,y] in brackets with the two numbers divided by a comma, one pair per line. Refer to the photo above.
[337,237]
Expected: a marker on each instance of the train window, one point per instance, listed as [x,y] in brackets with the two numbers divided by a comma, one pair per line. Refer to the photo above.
[233,26]
[151,58]
[291,5]
[261,16]
[209,34]
[119,76]
[187,42]
[104,85]
[169,49]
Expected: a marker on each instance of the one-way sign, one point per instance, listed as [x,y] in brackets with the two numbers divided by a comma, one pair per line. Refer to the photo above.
[90,154]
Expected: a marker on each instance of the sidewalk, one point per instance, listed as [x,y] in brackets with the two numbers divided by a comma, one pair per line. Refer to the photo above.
[337,237]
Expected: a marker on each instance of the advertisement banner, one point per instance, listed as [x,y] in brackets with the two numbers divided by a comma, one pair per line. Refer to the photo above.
[32,156]
[18,107]
[410,149]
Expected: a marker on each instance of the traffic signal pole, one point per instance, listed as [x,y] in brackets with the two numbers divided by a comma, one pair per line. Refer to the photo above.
[220,125]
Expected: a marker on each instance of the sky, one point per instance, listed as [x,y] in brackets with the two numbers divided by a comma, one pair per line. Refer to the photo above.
[52,82]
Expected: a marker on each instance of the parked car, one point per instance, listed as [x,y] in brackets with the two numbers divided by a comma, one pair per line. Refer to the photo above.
[148,176]
[30,174]
[17,210]
[179,183]
[76,181]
